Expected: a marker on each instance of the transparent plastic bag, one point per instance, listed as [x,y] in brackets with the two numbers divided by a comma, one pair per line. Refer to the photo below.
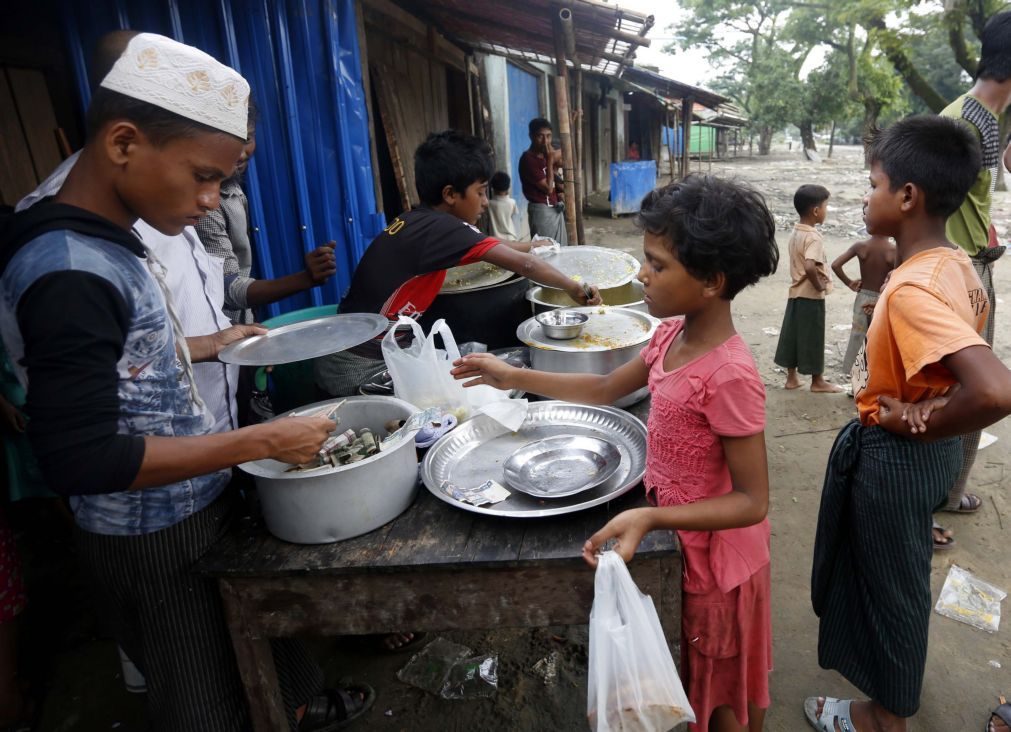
[420,372]
[970,600]
[633,684]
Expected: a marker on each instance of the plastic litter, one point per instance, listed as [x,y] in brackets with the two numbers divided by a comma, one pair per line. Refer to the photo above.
[771,331]
[429,668]
[994,663]
[450,670]
[986,439]
[547,668]
[472,678]
[968,599]
[842,326]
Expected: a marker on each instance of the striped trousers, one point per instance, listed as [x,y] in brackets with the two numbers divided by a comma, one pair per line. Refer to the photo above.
[970,442]
[870,581]
[171,624]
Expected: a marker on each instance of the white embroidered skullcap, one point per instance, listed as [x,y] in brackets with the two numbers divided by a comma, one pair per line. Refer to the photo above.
[182,79]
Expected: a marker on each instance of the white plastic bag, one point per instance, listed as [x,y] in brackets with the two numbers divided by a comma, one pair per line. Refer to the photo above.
[420,372]
[633,684]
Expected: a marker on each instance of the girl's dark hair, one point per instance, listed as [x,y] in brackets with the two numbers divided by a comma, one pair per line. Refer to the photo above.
[938,155]
[450,158]
[995,53]
[159,125]
[713,226]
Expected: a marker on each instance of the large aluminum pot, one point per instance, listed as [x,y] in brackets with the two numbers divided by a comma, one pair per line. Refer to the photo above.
[628,295]
[328,505]
[629,329]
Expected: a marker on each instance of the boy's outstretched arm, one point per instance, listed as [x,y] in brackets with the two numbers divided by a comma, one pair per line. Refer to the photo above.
[484,368]
[983,397]
[536,269]
[745,505]
[837,267]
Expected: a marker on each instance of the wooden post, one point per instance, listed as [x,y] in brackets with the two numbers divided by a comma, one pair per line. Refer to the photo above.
[687,105]
[578,154]
[565,132]
[831,139]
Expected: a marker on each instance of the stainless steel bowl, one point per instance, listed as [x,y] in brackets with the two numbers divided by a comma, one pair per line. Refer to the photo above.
[562,325]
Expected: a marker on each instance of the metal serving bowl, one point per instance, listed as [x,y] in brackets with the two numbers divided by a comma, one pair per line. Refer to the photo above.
[562,325]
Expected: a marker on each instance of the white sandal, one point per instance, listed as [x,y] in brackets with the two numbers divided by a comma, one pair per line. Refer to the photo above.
[834,711]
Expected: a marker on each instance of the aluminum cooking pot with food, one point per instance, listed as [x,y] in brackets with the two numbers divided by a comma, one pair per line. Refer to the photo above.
[610,338]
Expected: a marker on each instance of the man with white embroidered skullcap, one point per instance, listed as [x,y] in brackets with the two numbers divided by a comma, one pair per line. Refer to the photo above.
[115,419]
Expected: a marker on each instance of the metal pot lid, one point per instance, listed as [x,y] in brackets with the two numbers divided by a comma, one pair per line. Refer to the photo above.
[598,266]
[608,328]
[305,340]
[473,276]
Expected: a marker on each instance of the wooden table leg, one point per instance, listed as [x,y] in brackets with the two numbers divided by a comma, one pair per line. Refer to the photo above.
[256,666]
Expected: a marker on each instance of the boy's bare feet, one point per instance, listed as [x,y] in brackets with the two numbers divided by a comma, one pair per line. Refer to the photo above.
[820,386]
[792,380]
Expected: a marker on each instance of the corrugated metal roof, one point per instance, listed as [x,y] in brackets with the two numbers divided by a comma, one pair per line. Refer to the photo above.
[606,35]
[671,89]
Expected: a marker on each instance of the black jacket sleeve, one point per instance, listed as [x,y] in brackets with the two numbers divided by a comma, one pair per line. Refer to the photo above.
[74,326]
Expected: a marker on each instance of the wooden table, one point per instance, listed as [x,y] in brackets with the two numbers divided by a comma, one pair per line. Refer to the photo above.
[434,568]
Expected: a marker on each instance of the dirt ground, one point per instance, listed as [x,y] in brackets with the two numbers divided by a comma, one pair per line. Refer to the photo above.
[967,668]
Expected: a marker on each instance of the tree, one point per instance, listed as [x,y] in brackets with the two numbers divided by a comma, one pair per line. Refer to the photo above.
[744,38]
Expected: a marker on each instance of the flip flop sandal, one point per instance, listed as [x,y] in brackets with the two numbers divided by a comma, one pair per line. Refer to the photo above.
[1002,713]
[940,546]
[975,503]
[334,709]
[835,711]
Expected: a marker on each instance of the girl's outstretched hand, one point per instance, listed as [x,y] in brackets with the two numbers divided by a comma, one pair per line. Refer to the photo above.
[628,527]
[484,368]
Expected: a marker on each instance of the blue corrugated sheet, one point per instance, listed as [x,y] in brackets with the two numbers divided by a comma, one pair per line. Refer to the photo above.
[311,178]
[631,181]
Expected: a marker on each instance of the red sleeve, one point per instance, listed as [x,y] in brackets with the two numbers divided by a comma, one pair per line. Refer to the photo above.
[479,250]
[733,401]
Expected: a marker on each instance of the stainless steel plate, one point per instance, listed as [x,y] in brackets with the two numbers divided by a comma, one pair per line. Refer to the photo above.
[472,276]
[305,340]
[606,329]
[598,266]
[477,450]
[561,466]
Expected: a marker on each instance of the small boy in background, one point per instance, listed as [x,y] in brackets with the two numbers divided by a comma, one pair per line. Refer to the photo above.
[502,208]
[802,338]
[876,255]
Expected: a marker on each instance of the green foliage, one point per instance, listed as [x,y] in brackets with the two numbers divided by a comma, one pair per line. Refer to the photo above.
[883,58]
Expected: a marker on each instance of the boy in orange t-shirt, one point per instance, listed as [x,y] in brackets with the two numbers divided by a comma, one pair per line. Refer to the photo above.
[925,376]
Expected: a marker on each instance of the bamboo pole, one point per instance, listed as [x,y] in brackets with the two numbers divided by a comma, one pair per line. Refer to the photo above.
[569,37]
[565,133]
[687,105]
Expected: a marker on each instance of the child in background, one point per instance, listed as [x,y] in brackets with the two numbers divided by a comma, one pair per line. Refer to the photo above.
[704,240]
[876,255]
[802,338]
[502,208]
[925,376]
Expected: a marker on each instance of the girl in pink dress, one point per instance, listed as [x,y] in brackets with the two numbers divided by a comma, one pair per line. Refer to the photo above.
[704,240]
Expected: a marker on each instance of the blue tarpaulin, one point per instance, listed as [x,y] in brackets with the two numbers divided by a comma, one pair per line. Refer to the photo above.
[631,181]
[311,179]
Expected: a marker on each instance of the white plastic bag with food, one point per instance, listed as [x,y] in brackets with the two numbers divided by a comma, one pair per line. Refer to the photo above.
[420,372]
[633,684]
